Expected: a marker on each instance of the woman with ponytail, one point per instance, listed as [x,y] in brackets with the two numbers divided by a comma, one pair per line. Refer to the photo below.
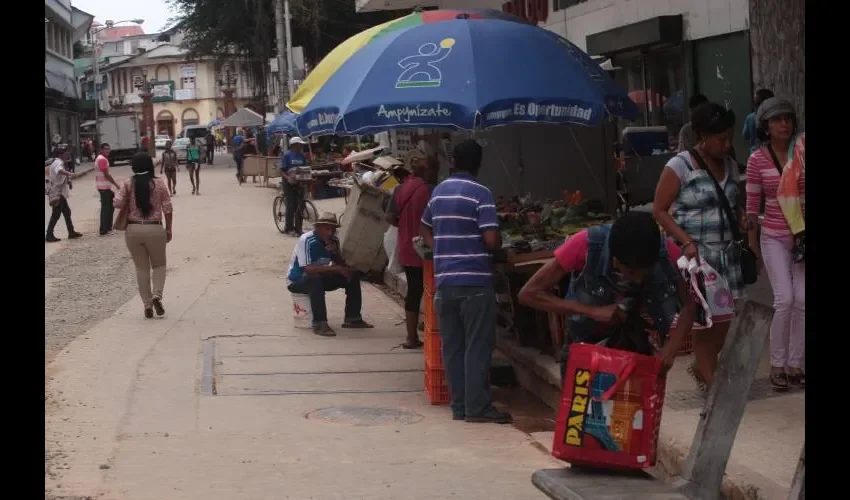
[147,201]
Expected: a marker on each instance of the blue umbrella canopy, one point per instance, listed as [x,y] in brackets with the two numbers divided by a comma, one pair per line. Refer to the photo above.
[214,123]
[463,74]
[283,123]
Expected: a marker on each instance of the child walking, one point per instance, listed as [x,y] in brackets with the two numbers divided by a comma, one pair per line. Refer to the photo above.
[193,165]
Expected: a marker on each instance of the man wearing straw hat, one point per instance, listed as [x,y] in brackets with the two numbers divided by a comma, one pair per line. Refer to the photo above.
[317,267]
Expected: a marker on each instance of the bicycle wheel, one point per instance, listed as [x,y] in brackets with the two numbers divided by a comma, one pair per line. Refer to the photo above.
[308,216]
[279,212]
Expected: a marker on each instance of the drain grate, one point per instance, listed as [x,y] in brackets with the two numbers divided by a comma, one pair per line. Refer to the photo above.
[365,416]
[692,400]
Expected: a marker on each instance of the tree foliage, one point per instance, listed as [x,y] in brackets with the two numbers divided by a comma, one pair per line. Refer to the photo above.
[220,27]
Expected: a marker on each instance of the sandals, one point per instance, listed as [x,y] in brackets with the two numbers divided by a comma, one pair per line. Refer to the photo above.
[779,381]
[356,323]
[700,382]
[415,345]
[797,379]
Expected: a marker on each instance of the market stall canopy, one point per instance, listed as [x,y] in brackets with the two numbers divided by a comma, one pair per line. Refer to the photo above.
[244,118]
[89,123]
[451,74]
[213,124]
[365,155]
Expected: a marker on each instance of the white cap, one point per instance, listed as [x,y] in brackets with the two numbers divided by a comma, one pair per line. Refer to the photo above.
[297,140]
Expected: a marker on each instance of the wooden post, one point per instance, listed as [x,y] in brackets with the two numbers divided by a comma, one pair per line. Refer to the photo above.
[798,486]
[705,466]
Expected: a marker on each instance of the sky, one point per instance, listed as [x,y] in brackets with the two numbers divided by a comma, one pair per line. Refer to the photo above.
[155,12]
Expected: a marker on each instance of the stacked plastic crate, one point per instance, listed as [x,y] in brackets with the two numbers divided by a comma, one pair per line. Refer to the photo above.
[435,373]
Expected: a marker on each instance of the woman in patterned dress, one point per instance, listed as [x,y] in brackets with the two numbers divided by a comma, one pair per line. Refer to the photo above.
[699,223]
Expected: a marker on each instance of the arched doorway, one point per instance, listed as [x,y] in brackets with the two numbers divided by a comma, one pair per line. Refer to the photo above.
[163,74]
[165,123]
[190,117]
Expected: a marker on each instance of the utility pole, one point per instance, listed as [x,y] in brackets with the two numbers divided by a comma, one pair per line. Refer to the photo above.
[289,73]
[282,36]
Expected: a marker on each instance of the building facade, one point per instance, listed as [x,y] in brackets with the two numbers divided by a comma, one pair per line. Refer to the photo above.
[661,51]
[185,92]
[63,25]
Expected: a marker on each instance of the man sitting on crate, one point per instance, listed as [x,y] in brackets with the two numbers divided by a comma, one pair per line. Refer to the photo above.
[618,272]
[317,267]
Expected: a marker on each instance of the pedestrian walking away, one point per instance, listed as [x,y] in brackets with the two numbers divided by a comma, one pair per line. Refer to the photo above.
[239,155]
[460,225]
[58,191]
[210,142]
[698,222]
[146,201]
[168,166]
[104,182]
[289,162]
[623,272]
[193,165]
[317,268]
[783,260]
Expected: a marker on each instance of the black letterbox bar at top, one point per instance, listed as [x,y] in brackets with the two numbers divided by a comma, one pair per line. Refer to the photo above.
[654,31]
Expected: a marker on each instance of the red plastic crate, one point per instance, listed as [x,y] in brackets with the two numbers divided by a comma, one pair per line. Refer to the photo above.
[432,348]
[435,385]
[432,321]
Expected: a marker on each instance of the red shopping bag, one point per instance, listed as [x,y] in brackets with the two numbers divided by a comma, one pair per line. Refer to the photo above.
[610,409]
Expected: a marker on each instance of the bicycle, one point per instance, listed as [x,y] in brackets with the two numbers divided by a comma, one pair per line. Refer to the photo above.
[305,216]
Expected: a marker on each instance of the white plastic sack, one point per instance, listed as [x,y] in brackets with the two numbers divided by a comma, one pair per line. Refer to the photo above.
[709,289]
[391,248]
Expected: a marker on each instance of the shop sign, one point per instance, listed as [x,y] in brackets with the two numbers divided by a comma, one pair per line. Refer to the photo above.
[162,91]
[187,71]
[534,11]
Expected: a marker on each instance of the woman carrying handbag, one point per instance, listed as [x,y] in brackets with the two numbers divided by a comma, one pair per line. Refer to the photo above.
[701,187]
[143,202]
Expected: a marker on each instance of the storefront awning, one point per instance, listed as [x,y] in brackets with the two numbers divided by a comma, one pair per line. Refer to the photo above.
[655,31]
[60,83]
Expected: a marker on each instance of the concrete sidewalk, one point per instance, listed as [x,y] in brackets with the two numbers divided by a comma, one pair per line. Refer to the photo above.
[223,399]
[769,440]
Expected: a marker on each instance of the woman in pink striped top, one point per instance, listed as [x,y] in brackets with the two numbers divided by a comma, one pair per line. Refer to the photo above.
[777,127]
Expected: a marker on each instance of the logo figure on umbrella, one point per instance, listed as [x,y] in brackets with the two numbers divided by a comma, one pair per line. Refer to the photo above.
[421,70]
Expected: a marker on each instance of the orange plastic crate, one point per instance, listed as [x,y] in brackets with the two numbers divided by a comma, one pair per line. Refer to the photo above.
[432,348]
[435,386]
[432,321]
[428,276]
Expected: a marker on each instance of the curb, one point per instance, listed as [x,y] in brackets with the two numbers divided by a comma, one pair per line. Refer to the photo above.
[544,382]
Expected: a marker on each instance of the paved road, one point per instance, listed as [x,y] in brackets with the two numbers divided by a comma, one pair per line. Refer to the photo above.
[223,399]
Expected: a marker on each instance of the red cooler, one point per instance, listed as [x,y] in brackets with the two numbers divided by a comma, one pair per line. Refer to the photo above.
[610,409]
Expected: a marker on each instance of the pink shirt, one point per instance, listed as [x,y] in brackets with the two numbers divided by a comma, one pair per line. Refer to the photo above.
[763,180]
[572,255]
[101,165]
[160,200]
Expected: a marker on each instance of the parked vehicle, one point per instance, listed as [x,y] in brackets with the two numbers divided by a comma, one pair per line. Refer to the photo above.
[181,147]
[195,132]
[160,140]
[121,132]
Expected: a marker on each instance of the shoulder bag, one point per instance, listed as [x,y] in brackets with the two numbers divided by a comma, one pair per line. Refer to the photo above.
[123,215]
[749,267]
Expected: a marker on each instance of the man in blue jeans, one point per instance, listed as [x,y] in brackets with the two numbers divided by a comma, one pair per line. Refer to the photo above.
[317,267]
[460,225]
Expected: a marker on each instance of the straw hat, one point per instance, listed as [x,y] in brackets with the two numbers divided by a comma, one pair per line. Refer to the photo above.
[413,154]
[328,219]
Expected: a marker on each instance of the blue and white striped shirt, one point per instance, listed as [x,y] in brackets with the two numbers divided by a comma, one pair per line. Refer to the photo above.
[459,212]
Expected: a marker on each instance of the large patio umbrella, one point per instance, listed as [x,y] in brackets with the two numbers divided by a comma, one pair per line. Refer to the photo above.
[283,123]
[466,74]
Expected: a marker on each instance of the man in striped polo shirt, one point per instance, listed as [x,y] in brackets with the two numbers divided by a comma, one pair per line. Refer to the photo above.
[460,225]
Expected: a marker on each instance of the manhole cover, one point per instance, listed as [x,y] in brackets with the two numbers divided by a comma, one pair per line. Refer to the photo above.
[365,415]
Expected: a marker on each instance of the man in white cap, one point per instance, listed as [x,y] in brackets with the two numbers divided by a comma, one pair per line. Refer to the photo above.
[317,267]
[288,163]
